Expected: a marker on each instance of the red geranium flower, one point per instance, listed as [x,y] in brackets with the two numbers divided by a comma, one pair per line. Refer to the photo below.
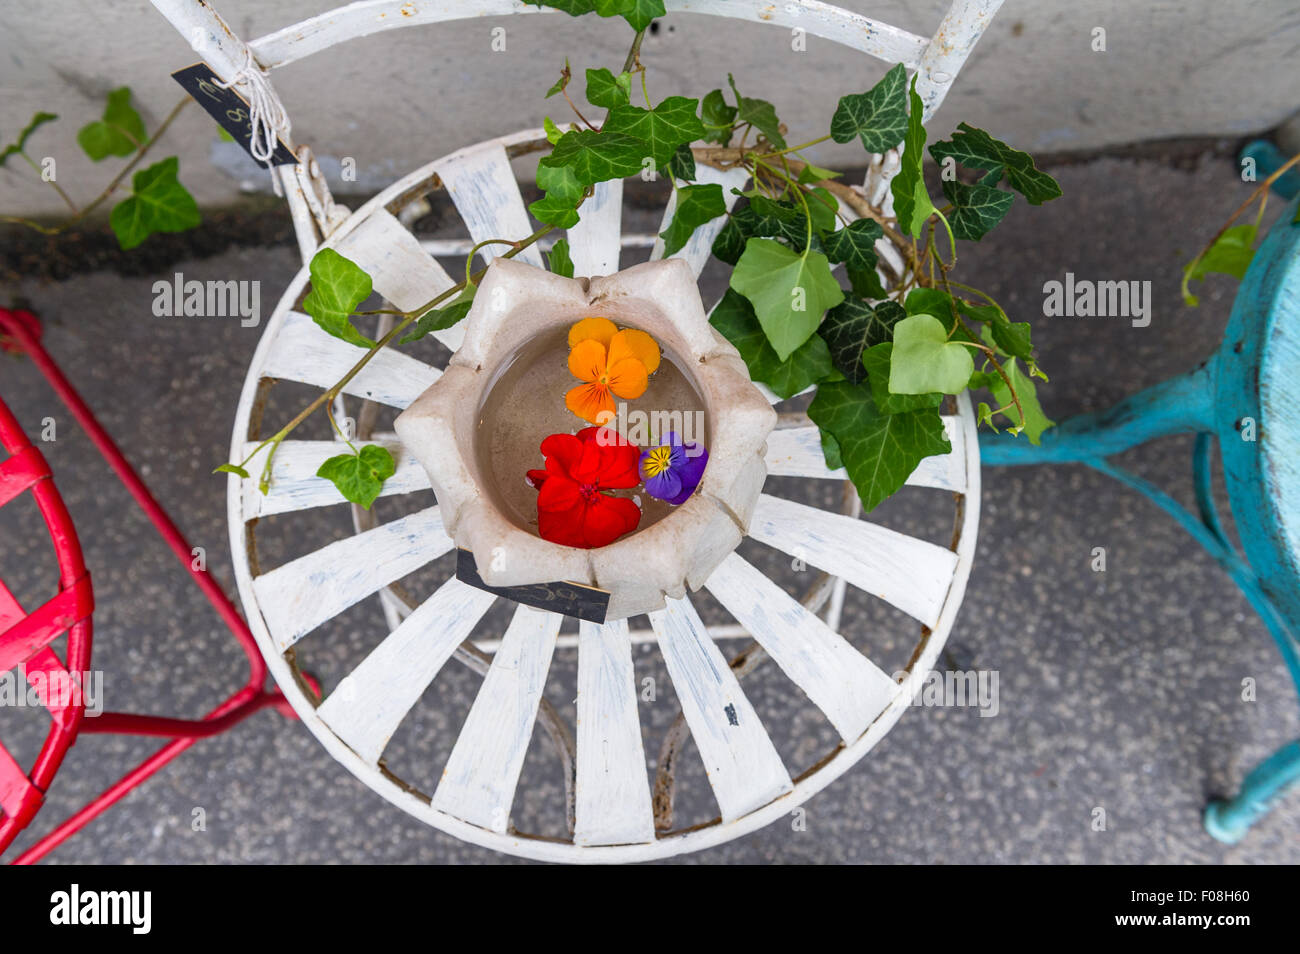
[570,506]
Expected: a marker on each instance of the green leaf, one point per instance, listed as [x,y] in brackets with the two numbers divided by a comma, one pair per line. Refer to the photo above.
[574,8]
[1034,421]
[17,146]
[606,90]
[223,135]
[338,285]
[924,360]
[878,117]
[435,319]
[730,242]
[760,114]
[976,209]
[822,207]
[562,83]
[638,13]
[934,302]
[734,317]
[560,182]
[696,204]
[1230,254]
[553,133]
[976,149]
[596,156]
[682,165]
[876,361]
[878,450]
[811,175]
[158,203]
[554,211]
[360,477]
[790,292]
[853,326]
[718,116]
[854,245]
[559,261]
[912,203]
[664,128]
[865,283]
[119,133]
[231,469]
[831,450]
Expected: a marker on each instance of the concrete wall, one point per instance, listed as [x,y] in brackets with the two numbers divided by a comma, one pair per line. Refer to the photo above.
[394,101]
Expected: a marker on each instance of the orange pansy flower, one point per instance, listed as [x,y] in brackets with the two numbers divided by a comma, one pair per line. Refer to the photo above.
[613,364]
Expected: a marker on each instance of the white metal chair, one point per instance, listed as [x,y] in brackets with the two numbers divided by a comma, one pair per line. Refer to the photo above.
[610,811]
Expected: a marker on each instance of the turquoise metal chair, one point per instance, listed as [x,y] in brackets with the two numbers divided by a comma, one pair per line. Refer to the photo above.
[1247,396]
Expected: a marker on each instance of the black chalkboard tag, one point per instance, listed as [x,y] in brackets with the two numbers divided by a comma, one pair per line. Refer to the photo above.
[567,599]
[228,108]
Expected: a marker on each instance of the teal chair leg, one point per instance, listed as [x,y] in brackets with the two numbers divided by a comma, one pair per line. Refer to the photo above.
[1228,821]
[1178,406]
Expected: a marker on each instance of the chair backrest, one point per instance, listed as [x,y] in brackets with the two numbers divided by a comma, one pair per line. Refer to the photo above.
[936,60]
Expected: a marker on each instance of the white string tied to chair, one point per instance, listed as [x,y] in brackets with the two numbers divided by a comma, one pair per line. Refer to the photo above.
[266,114]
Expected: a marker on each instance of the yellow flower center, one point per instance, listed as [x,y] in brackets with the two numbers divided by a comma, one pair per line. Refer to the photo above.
[658,461]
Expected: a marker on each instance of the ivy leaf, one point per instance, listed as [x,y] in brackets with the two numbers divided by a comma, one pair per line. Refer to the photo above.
[338,285]
[639,13]
[606,90]
[878,450]
[878,117]
[119,133]
[696,204]
[360,477]
[852,327]
[934,302]
[562,83]
[559,261]
[596,156]
[1230,254]
[158,203]
[854,245]
[574,8]
[436,319]
[790,292]
[734,317]
[554,211]
[912,202]
[1034,421]
[730,242]
[876,361]
[664,128]
[831,450]
[822,207]
[924,360]
[977,209]
[17,146]
[553,133]
[682,165]
[865,283]
[810,175]
[976,149]
[560,182]
[719,118]
[760,114]
[231,469]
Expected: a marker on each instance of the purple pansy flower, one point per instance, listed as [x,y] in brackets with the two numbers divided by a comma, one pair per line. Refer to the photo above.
[673,470]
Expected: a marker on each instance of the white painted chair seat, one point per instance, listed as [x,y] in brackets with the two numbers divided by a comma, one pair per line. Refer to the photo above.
[611,814]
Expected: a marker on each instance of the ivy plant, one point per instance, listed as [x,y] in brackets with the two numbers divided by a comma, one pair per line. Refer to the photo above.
[811,305]
[156,202]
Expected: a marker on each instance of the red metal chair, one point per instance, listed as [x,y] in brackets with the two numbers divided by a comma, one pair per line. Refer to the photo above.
[26,637]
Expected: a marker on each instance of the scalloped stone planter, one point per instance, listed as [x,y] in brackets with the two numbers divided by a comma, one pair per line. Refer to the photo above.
[516,303]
